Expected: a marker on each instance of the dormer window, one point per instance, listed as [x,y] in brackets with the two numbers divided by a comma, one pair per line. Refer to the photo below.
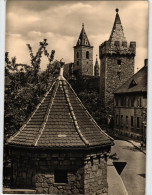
[87,54]
[132,84]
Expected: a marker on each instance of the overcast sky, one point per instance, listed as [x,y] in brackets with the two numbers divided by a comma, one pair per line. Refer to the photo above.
[60,23]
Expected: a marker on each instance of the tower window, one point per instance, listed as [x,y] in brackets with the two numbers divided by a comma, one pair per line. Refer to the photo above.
[126,121]
[77,63]
[132,121]
[87,54]
[60,176]
[117,120]
[77,54]
[119,62]
[138,124]
[121,120]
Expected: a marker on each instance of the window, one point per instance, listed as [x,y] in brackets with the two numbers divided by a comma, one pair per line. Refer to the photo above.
[121,120]
[126,121]
[123,101]
[116,101]
[138,101]
[117,120]
[117,43]
[119,62]
[77,63]
[132,121]
[60,176]
[145,96]
[77,54]
[87,54]
[132,101]
[132,84]
[138,122]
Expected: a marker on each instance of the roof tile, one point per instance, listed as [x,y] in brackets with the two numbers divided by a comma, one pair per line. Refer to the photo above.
[60,120]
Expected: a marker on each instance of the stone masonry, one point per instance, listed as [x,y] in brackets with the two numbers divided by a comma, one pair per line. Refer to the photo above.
[83,55]
[116,64]
[86,174]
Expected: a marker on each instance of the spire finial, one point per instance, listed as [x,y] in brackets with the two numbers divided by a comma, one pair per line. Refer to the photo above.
[61,67]
[82,25]
[117,10]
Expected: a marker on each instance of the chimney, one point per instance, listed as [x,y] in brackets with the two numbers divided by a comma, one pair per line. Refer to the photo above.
[146,62]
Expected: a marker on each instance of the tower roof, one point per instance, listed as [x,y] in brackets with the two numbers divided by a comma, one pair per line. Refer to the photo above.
[60,121]
[96,63]
[117,33]
[83,39]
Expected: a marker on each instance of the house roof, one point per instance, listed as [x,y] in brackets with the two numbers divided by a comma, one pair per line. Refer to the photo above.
[136,83]
[61,121]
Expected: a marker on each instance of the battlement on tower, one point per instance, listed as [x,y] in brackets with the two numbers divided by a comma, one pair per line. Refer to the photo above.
[117,47]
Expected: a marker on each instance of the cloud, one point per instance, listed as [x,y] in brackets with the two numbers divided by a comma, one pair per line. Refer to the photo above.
[60,22]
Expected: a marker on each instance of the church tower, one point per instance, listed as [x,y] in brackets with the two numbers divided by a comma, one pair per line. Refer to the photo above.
[116,63]
[96,67]
[83,55]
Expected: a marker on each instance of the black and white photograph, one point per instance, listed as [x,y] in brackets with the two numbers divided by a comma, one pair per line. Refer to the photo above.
[75,97]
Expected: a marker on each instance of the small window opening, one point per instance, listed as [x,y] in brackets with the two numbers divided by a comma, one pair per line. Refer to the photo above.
[61,176]
[77,63]
[87,54]
[132,121]
[121,120]
[119,62]
[126,121]
[138,125]
[77,54]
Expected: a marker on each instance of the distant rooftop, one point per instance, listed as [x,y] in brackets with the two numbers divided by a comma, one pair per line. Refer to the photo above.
[137,83]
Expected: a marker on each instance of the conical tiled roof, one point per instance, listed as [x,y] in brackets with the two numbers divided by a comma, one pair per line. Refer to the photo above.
[60,120]
[83,39]
[117,33]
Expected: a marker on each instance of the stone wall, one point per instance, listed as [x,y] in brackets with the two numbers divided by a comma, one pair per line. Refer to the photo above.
[112,76]
[95,179]
[34,170]
[85,65]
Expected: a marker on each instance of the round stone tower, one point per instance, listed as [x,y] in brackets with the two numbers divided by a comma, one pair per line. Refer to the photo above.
[60,149]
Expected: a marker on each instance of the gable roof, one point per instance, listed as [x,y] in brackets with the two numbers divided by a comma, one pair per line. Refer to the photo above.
[61,121]
[136,83]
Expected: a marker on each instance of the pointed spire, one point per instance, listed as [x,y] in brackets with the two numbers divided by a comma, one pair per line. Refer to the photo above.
[83,39]
[117,33]
[96,67]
